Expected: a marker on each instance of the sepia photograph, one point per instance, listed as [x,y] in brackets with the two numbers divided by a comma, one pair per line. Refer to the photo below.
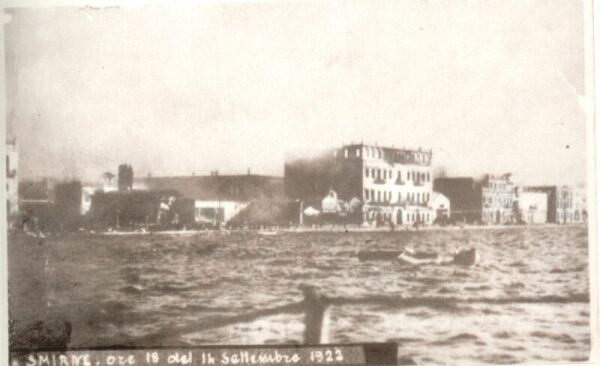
[415,175]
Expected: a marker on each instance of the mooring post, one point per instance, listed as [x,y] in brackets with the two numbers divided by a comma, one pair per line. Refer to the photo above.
[315,306]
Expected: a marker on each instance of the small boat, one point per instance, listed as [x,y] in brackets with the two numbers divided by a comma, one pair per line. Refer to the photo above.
[462,257]
[417,258]
[378,255]
[465,257]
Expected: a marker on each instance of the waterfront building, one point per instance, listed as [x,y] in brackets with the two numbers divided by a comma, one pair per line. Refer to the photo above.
[441,207]
[218,198]
[465,196]
[35,204]
[497,194]
[487,200]
[565,205]
[372,185]
[532,207]
[12,179]
[579,204]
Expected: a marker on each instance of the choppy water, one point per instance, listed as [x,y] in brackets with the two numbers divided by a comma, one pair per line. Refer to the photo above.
[118,287]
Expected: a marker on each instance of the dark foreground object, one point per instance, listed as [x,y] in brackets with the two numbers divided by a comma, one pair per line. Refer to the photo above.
[41,336]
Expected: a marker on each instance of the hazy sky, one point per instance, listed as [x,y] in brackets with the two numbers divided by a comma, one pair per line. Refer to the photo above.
[490,86]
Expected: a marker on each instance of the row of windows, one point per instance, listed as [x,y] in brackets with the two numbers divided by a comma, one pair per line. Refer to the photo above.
[377,153]
[500,186]
[407,217]
[388,173]
[495,200]
[386,196]
[420,217]
[565,204]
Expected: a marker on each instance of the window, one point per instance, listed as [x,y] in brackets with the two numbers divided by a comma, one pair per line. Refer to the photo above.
[358,153]
[346,153]
[399,196]
[384,174]
[399,175]
[367,172]
[408,176]
[378,196]
[366,194]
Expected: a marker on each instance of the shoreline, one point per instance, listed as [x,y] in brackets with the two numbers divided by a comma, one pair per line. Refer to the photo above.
[300,230]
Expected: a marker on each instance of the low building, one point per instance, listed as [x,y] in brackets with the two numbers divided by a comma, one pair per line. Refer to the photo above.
[133,208]
[218,198]
[213,212]
[36,205]
[532,207]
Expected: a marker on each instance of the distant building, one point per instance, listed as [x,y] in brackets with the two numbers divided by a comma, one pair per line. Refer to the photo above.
[368,184]
[12,179]
[67,205]
[580,205]
[125,177]
[487,200]
[465,196]
[441,207]
[565,206]
[218,198]
[532,207]
[498,199]
[35,201]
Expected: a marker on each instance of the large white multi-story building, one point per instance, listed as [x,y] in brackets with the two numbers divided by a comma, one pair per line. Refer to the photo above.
[393,185]
[397,185]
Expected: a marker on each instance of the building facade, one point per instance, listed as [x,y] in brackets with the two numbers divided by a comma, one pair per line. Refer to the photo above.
[532,207]
[497,194]
[12,179]
[394,186]
[565,204]
[489,200]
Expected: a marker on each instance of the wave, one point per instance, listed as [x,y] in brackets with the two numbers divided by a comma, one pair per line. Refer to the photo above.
[563,337]
[459,338]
